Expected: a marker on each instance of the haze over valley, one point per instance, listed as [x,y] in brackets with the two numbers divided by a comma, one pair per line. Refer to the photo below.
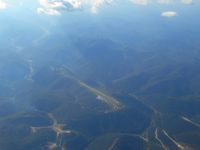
[99,75]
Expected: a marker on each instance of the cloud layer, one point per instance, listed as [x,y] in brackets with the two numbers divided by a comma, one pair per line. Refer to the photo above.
[140,2]
[3,5]
[188,2]
[54,7]
[146,2]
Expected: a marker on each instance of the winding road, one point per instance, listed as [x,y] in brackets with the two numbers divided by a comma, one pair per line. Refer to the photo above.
[181,147]
[190,121]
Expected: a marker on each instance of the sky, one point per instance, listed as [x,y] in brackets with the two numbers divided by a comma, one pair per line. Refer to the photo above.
[58,7]
[125,21]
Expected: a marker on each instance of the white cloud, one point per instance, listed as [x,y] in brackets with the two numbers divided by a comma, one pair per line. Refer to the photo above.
[3,5]
[169,14]
[146,2]
[56,6]
[188,2]
[51,12]
[164,1]
[95,4]
[140,2]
